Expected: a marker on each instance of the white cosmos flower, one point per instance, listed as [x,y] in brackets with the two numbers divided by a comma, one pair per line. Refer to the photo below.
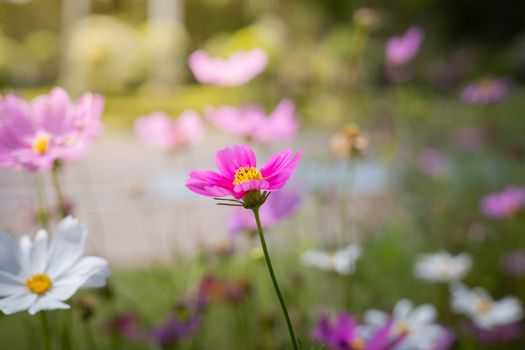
[485,312]
[417,324]
[41,275]
[342,261]
[442,266]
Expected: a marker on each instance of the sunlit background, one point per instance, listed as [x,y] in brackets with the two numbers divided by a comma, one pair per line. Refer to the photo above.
[411,118]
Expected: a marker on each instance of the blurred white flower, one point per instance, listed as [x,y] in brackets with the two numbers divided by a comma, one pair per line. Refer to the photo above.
[341,261]
[416,324]
[485,312]
[40,275]
[442,266]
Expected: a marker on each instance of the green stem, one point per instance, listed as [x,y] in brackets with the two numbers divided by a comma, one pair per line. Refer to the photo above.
[274,280]
[42,213]
[45,328]
[58,192]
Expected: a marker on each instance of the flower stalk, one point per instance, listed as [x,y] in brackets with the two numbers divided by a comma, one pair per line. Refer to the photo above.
[58,190]
[42,212]
[274,280]
[45,328]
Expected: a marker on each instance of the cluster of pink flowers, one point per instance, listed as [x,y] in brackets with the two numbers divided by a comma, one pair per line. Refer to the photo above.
[503,204]
[34,135]
[251,123]
[159,131]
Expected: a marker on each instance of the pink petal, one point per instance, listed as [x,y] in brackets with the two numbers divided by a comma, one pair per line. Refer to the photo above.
[229,159]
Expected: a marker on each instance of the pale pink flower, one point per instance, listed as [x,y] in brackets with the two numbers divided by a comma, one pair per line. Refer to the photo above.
[400,50]
[251,123]
[34,135]
[162,133]
[239,68]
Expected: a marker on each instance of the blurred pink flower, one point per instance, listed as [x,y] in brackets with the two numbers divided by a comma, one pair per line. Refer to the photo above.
[497,335]
[513,263]
[503,204]
[238,173]
[432,162]
[468,139]
[251,123]
[33,135]
[485,91]
[278,206]
[400,50]
[164,134]
[238,69]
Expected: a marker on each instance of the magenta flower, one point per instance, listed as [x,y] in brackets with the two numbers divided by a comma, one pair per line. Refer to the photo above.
[279,206]
[345,334]
[400,50]
[485,91]
[33,135]
[238,69]
[238,173]
[503,204]
[251,123]
[164,134]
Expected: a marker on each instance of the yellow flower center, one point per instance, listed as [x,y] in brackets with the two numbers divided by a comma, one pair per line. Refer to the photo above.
[357,344]
[247,173]
[484,306]
[41,144]
[403,330]
[39,283]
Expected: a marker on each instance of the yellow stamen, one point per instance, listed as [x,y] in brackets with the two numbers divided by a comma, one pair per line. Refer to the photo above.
[357,344]
[247,173]
[484,306]
[41,144]
[403,330]
[39,283]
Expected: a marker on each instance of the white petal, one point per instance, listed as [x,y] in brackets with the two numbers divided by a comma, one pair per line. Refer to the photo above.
[375,317]
[67,285]
[8,254]
[423,314]
[47,302]
[10,284]
[17,303]
[26,245]
[97,280]
[39,252]
[507,310]
[67,246]
[402,309]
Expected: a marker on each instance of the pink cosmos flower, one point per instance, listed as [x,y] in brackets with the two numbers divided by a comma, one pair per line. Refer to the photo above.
[238,173]
[503,204]
[251,123]
[485,91]
[279,206]
[33,135]
[238,69]
[400,50]
[164,134]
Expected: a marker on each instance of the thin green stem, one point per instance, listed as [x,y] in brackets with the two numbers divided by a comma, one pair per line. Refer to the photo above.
[45,328]
[58,192]
[42,212]
[274,280]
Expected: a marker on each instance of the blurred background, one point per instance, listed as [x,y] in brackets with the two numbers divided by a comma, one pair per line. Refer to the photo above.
[410,177]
